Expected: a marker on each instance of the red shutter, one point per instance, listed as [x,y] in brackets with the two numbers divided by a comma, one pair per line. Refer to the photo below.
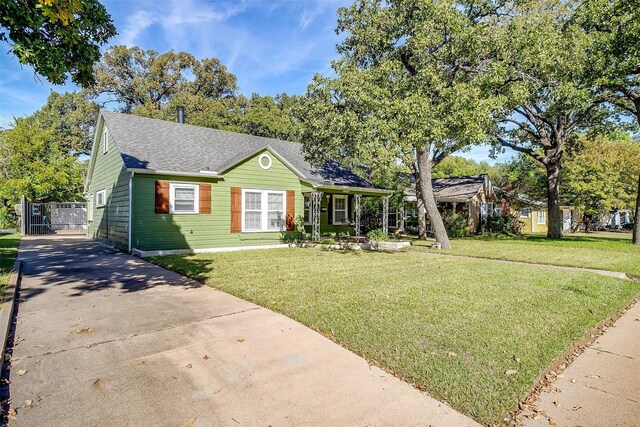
[162,197]
[291,210]
[236,210]
[205,198]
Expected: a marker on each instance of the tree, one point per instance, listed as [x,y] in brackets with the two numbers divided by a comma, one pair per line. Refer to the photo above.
[135,77]
[71,118]
[57,37]
[599,176]
[547,87]
[615,57]
[460,166]
[33,164]
[408,90]
[259,115]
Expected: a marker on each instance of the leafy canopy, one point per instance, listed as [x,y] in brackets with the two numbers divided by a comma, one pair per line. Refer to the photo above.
[132,77]
[57,37]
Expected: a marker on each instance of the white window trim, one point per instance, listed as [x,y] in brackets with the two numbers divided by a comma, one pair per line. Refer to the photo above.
[264,207]
[196,198]
[90,208]
[345,210]
[105,141]
[306,197]
[104,198]
[544,218]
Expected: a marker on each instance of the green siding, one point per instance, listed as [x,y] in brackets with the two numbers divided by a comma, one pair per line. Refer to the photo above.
[110,223]
[153,231]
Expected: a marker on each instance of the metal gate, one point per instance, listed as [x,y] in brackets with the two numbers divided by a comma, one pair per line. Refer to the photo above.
[55,218]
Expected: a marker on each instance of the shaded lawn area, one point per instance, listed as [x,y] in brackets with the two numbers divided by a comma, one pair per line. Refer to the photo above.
[613,252]
[451,326]
[8,252]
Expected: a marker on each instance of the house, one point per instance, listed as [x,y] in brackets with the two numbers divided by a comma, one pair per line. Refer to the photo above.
[471,195]
[160,187]
[533,214]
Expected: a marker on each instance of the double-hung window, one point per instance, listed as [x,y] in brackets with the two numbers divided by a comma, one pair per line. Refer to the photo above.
[339,209]
[183,198]
[542,217]
[101,198]
[307,208]
[263,210]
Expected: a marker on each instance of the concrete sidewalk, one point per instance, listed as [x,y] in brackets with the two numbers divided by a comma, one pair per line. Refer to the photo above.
[602,385]
[104,338]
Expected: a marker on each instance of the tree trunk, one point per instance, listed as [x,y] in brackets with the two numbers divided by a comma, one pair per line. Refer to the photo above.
[636,219]
[554,214]
[422,221]
[426,193]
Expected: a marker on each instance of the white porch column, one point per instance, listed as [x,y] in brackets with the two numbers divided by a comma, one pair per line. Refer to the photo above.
[316,203]
[357,199]
[385,214]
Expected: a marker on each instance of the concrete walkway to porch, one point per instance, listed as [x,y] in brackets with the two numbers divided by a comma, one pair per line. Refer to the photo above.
[104,338]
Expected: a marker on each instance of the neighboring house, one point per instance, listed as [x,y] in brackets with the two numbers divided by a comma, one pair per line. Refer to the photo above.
[157,187]
[620,218]
[533,214]
[471,195]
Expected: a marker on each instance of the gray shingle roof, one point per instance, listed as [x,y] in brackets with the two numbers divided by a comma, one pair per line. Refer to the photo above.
[459,188]
[160,145]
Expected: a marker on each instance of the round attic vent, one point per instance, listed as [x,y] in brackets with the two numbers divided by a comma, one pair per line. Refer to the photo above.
[264,161]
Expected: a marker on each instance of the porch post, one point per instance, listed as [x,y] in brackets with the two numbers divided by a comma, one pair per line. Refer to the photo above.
[385,214]
[316,203]
[357,199]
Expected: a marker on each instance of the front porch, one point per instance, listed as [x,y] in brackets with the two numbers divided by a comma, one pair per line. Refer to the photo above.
[340,211]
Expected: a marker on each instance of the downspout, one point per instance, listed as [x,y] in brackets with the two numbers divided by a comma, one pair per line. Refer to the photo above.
[130,208]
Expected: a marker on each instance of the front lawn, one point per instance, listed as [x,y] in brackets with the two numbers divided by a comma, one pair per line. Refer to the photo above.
[8,251]
[600,251]
[454,327]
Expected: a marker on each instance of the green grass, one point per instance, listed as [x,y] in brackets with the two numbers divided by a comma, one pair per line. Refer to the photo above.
[8,251]
[451,326]
[603,251]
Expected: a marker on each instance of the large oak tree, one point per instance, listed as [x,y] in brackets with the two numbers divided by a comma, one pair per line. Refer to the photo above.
[408,90]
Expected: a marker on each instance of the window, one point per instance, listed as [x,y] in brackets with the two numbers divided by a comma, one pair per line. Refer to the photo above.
[101,198]
[525,213]
[542,217]
[393,217]
[183,198]
[90,208]
[263,210]
[339,209]
[105,140]
[307,209]
[490,209]
[499,211]
[264,161]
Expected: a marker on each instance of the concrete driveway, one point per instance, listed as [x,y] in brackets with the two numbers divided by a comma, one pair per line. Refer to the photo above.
[104,338]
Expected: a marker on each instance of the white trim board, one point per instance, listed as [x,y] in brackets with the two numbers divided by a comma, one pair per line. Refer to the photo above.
[143,254]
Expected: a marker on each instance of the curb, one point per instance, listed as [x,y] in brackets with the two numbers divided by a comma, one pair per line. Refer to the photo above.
[8,305]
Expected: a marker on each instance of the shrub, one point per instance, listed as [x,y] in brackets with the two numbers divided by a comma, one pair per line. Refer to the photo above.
[503,224]
[456,223]
[378,235]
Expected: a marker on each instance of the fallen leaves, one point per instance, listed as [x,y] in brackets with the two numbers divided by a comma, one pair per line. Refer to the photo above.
[510,372]
[97,383]
[12,414]
[552,422]
[191,421]
[205,357]
[452,354]
[136,362]
[240,340]
[595,377]
[86,330]
[28,402]
[21,372]
[577,407]
[189,366]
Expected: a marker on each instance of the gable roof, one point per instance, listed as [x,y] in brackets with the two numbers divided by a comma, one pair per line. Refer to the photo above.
[162,146]
[458,188]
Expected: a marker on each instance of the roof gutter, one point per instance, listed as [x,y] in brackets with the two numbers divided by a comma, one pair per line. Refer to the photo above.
[353,189]
[175,173]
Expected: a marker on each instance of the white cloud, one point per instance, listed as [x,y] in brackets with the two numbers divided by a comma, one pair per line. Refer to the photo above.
[134,26]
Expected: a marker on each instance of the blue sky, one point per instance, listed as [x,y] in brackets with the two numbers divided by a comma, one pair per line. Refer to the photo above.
[271,46]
